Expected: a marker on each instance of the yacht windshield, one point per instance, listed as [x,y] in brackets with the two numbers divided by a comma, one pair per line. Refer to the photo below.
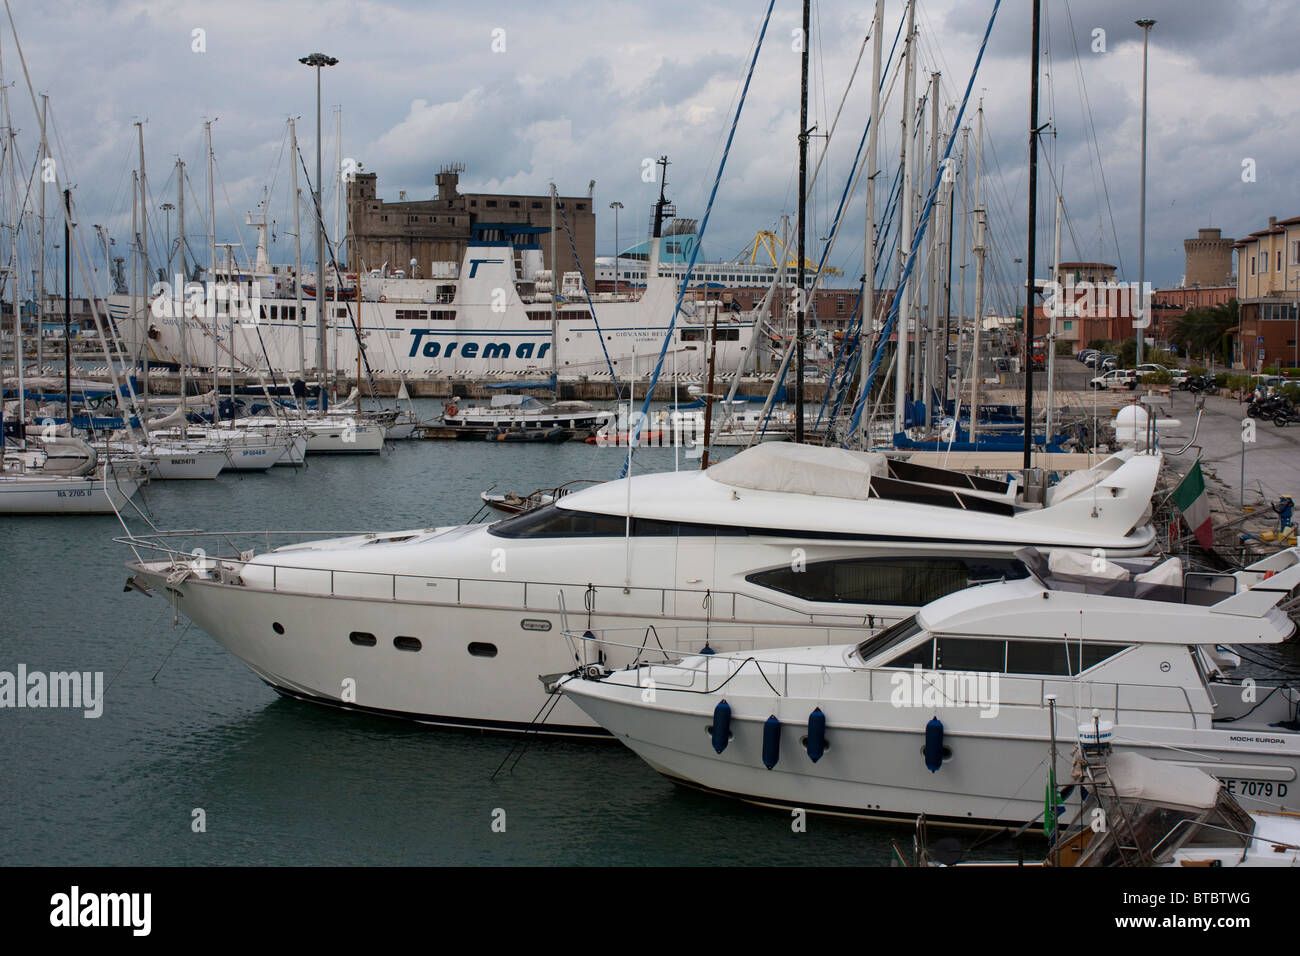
[891,636]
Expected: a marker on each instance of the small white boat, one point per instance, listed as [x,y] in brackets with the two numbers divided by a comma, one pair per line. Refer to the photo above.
[172,461]
[325,435]
[946,712]
[525,411]
[65,476]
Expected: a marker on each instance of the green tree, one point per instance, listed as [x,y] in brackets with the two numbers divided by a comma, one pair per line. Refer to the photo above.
[1206,329]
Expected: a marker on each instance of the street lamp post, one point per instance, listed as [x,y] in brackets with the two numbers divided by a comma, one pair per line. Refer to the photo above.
[616,206]
[319,60]
[1146,26]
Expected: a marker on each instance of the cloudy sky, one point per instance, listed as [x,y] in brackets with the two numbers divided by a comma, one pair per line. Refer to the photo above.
[526,93]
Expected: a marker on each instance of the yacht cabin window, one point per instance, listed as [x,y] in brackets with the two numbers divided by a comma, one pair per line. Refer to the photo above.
[912,582]
[993,655]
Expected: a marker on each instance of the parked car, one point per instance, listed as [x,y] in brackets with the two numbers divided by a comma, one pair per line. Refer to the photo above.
[1179,378]
[1083,354]
[1150,368]
[1107,362]
[1119,377]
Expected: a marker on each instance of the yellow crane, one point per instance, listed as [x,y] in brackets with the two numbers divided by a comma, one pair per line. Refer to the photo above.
[766,241]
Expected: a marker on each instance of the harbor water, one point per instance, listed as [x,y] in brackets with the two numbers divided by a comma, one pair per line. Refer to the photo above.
[194,761]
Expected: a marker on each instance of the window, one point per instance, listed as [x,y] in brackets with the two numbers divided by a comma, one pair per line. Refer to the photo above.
[922,654]
[692,335]
[362,639]
[341,312]
[552,522]
[490,203]
[970,654]
[726,335]
[514,204]
[1279,260]
[407,643]
[411,315]
[911,582]
[1052,657]
[480,649]
[1252,265]
[536,205]
[442,315]
[890,637]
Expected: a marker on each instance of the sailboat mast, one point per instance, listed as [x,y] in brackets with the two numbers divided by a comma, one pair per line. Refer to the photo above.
[1029,254]
[961,272]
[140,317]
[1051,330]
[297,248]
[800,303]
[13,265]
[979,278]
[135,265]
[867,325]
[555,294]
[178,293]
[212,271]
[926,355]
[40,241]
[67,299]
[905,229]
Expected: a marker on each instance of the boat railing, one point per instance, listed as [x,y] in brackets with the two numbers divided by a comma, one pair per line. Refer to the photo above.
[703,608]
[1111,698]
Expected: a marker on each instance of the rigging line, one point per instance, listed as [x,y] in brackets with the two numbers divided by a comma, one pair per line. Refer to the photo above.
[850,186]
[555,292]
[1087,100]
[704,224]
[924,223]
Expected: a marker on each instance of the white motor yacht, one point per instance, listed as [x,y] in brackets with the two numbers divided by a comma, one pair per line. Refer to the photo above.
[782,544]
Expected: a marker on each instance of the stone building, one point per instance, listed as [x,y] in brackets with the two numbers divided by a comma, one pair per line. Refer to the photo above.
[438,229]
[1208,259]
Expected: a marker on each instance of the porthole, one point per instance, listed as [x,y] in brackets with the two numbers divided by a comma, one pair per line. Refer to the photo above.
[277,627]
[480,649]
[407,643]
[362,639]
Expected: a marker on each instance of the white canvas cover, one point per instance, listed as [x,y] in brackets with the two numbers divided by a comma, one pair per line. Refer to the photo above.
[1168,572]
[1083,564]
[801,469]
[1159,781]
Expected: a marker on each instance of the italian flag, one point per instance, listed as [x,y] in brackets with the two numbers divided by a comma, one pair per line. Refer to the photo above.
[1190,499]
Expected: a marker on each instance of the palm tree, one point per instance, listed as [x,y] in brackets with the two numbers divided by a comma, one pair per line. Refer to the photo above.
[1205,329]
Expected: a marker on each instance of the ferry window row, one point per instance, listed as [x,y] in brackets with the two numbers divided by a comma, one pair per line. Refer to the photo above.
[912,582]
[719,335]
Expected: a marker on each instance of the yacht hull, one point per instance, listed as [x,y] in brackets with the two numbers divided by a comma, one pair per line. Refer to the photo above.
[26,494]
[874,765]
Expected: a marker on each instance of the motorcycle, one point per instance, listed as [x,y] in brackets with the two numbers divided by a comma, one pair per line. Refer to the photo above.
[1282,418]
[1269,406]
